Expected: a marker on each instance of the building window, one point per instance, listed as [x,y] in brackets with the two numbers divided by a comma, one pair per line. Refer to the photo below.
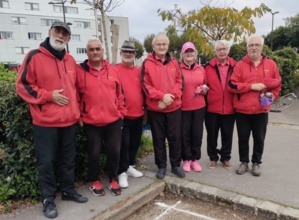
[111,22]
[18,20]
[81,50]
[4,4]
[47,22]
[34,36]
[5,35]
[31,6]
[75,37]
[68,10]
[22,50]
[82,24]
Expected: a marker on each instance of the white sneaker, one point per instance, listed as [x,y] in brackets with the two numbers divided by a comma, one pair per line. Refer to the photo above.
[123,180]
[133,172]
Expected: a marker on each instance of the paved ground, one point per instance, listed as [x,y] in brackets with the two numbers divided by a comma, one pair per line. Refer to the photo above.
[277,185]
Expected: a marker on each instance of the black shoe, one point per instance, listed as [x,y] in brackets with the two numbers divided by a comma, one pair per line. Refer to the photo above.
[161,173]
[76,197]
[49,209]
[178,171]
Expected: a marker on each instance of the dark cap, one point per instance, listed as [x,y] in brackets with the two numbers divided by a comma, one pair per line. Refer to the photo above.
[61,24]
[128,46]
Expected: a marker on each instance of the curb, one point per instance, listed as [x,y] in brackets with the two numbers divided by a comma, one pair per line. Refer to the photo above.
[239,202]
[125,208]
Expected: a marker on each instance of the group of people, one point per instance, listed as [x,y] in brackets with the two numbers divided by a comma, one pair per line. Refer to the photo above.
[110,102]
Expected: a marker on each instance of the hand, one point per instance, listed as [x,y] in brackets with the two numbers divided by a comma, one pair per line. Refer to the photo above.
[59,99]
[258,86]
[168,99]
[162,105]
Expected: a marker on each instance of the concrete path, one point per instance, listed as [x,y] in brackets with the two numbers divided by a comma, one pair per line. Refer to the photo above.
[277,186]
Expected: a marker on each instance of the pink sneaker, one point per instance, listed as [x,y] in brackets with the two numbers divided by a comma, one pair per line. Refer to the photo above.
[196,166]
[186,166]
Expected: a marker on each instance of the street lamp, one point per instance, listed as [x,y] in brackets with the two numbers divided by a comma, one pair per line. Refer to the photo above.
[273,13]
[63,12]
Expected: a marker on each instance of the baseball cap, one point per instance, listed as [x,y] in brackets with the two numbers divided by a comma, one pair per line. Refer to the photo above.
[188,45]
[61,24]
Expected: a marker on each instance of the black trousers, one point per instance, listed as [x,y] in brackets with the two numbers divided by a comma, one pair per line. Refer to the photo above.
[257,124]
[225,123]
[97,137]
[55,150]
[131,139]
[192,122]
[166,125]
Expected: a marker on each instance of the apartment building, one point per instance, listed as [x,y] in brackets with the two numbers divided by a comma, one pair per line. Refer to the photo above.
[25,24]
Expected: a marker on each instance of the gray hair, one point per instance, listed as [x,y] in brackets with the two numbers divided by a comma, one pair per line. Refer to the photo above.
[162,34]
[255,36]
[92,39]
[223,42]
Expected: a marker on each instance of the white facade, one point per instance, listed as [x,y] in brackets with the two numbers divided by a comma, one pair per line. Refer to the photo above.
[25,24]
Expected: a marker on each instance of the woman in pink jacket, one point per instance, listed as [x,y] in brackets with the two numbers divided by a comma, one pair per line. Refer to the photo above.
[193,107]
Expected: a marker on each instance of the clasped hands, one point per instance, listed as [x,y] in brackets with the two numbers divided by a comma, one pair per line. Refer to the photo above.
[167,100]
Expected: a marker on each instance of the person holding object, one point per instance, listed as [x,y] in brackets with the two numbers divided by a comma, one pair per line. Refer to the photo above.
[102,108]
[46,80]
[162,83]
[220,113]
[193,107]
[133,121]
[247,82]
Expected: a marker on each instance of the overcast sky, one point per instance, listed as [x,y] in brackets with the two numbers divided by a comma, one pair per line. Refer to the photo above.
[144,19]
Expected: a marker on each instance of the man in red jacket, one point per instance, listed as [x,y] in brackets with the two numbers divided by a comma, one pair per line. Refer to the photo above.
[162,83]
[133,121]
[248,81]
[220,112]
[46,80]
[102,110]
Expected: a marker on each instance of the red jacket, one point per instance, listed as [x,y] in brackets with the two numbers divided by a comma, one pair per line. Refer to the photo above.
[40,74]
[219,100]
[192,78]
[245,74]
[130,79]
[159,79]
[101,94]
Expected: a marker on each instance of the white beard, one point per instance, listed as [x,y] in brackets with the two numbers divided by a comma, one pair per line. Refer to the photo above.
[58,47]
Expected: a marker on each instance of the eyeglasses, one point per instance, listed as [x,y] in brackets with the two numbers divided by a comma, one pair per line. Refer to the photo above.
[161,45]
[254,45]
[221,49]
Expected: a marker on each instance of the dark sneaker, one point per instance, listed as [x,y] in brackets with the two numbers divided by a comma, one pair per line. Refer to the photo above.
[114,187]
[76,197]
[242,168]
[213,164]
[97,189]
[226,164]
[49,209]
[178,171]
[161,173]
[256,169]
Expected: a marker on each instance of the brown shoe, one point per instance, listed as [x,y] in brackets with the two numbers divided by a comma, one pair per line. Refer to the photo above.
[226,164]
[212,164]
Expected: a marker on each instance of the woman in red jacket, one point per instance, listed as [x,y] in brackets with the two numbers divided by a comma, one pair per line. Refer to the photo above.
[193,107]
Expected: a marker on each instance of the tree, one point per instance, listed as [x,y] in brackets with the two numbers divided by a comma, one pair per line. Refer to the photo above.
[208,24]
[103,6]
[147,43]
[138,46]
[286,35]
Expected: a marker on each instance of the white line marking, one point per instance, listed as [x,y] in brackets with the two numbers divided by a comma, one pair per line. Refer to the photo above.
[169,208]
